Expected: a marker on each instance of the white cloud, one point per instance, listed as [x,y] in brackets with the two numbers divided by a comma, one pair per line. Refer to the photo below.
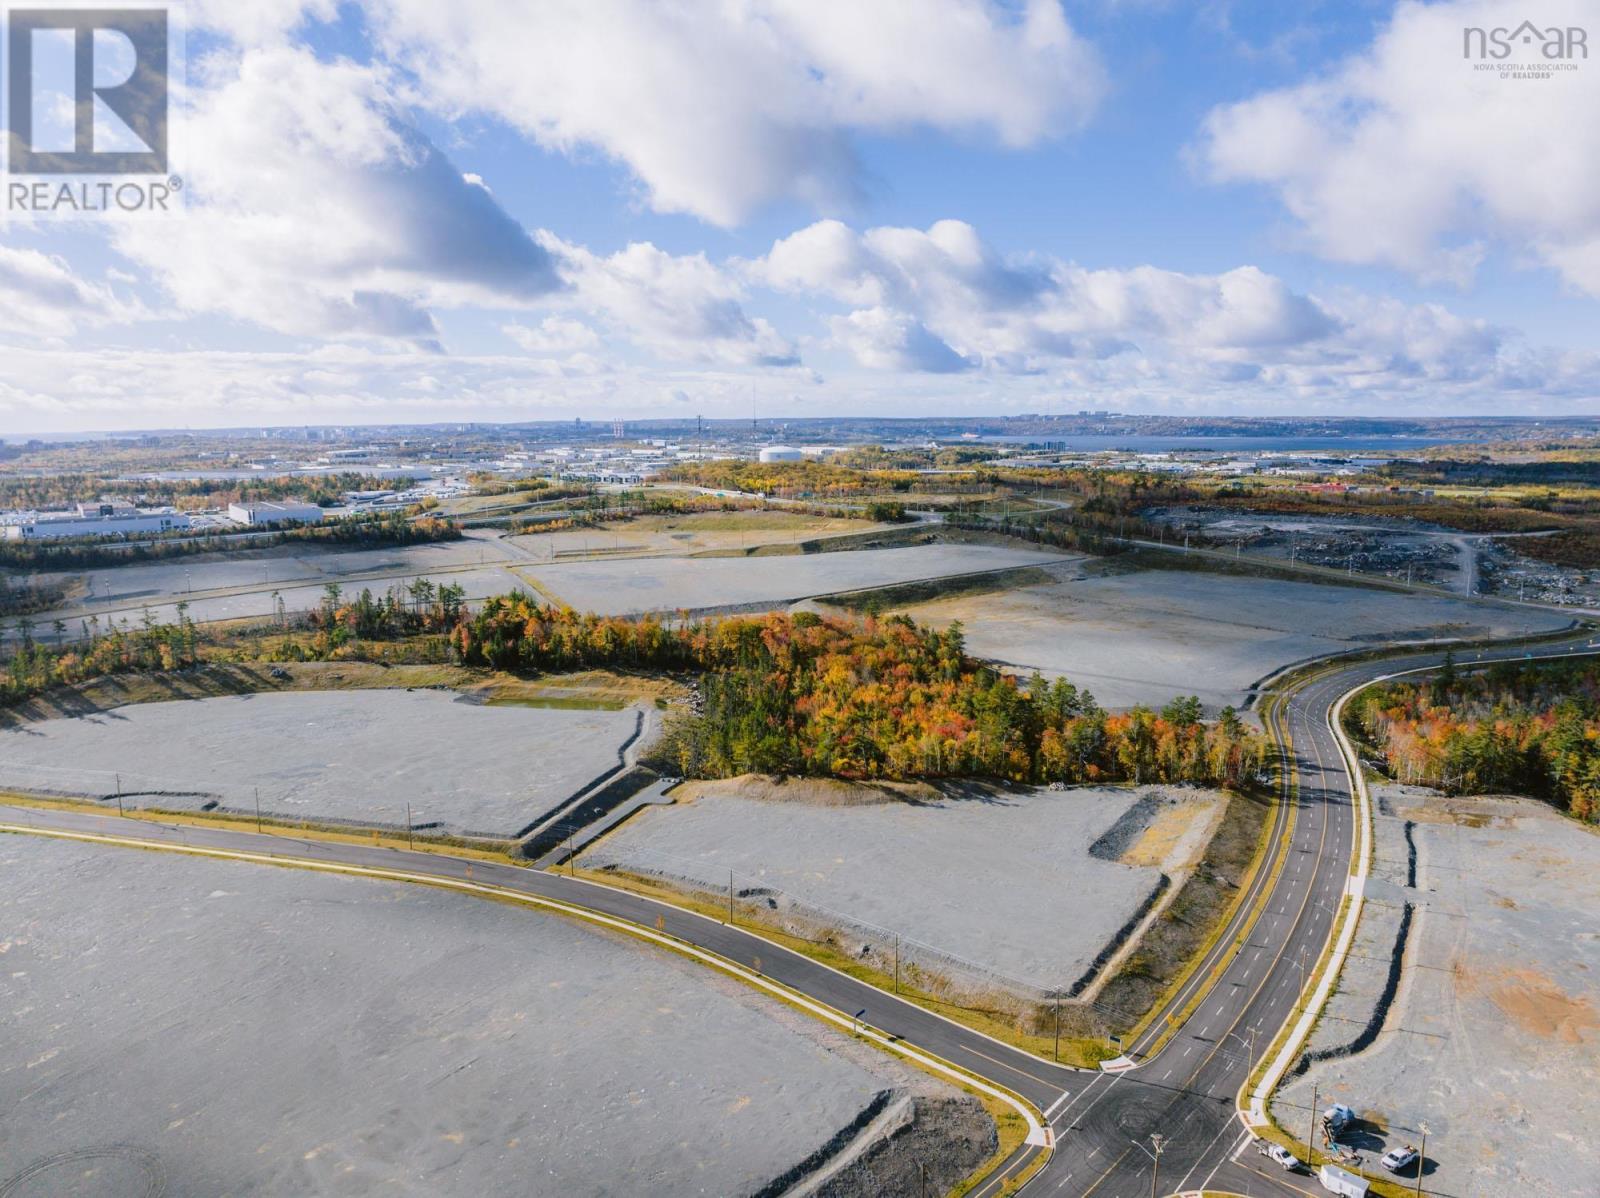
[682,307]
[886,340]
[553,335]
[1406,155]
[1006,312]
[41,295]
[314,208]
[317,210]
[718,109]
[941,301]
[258,22]
[54,389]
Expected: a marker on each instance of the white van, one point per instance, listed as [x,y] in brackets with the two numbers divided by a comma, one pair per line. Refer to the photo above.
[1337,1181]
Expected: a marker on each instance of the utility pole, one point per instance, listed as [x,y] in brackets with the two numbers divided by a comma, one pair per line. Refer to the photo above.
[1311,1125]
[1155,1169]
[1057,1050]
[730,898]
[897,962]
[119,794]
[408,826]
[1422,1158]
[258,809]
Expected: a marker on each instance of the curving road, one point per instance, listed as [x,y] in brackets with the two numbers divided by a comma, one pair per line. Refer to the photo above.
[1102,1122]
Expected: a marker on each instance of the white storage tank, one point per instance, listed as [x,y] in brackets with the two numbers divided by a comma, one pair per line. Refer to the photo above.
[781,453]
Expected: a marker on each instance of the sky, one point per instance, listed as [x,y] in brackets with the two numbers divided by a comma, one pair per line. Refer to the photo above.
[616,209]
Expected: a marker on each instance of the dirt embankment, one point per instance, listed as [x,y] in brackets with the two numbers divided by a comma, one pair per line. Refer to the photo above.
[1184,924]
[900,1145]
[825,792]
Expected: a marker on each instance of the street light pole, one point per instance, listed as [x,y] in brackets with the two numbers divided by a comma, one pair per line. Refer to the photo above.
[1155,1167]
[1422,1159]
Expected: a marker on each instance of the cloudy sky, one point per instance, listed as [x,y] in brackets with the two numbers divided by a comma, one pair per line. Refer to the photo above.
[497,210]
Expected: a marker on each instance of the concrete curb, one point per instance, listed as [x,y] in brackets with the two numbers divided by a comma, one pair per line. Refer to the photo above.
[1355,888]
[1256,1115]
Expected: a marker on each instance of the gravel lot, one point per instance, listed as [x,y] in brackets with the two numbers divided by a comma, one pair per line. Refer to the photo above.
[277,565]
[926,870]
[223,587]
[239,1029]
[350,755]
[1145,636]
[1493,1039]
[679,535]
[664,584]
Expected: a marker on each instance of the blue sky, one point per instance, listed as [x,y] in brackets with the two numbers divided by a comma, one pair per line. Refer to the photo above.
[409,211]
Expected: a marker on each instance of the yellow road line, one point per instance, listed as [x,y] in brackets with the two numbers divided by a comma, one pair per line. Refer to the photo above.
[1036,1132]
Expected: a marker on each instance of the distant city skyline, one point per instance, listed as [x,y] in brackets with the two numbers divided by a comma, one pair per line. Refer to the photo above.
[406,212]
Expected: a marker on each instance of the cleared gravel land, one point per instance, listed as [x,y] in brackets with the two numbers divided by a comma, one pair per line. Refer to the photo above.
[695,533]
[666,584]
[1144,636]
[924,868]
[344,755]
[224,1028]
[225,587]
[274,566]
[1493,1035]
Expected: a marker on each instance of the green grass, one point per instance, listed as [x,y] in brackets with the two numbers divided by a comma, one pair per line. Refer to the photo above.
[557,703]
[1197,915]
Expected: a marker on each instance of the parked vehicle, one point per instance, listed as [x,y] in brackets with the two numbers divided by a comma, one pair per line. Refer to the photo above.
[1337,1181]
[1281,1155]
[1397,1160]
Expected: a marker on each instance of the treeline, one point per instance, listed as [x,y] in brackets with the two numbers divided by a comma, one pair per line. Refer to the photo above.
[620,507]
[878,699]
[47,491]
[1515,728]
[150,645]
[797,480]
[29,597]
[385,529]
[950,457]
[783,694]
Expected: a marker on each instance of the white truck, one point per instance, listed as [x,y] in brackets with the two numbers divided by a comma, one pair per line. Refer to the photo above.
[1338,1181]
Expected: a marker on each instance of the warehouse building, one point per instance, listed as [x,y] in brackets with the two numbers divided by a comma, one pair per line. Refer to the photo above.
[92,520]
[259,513]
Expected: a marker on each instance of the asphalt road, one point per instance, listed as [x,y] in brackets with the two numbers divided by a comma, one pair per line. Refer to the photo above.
[1102,1122]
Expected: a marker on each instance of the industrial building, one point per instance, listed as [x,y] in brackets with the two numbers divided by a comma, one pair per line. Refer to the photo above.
[263,512]
[92,520]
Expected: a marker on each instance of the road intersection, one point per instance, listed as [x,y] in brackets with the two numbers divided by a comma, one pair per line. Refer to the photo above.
[1184,1074]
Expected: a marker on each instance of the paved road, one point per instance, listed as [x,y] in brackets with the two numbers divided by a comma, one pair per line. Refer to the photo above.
[1186,1091]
